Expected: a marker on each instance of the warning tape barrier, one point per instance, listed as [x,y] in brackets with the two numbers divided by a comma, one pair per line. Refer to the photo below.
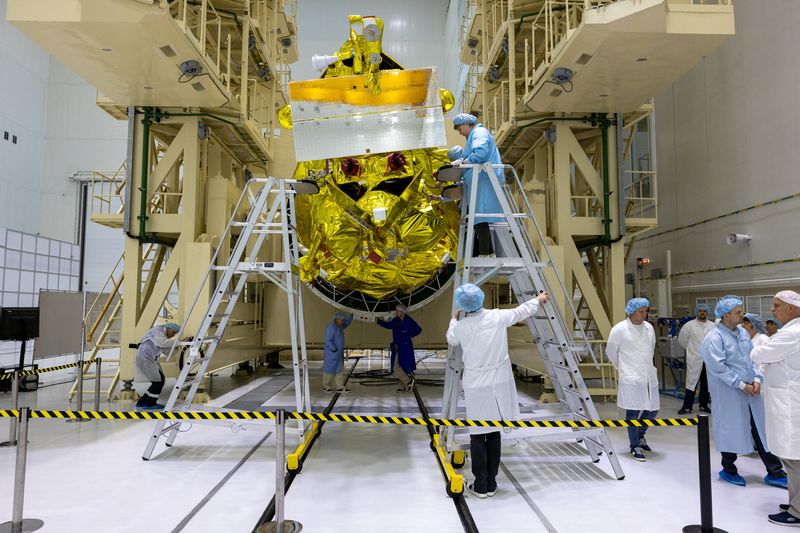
[361,419]
[36,371]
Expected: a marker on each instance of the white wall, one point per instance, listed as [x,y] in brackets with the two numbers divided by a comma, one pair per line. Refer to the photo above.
[59,131]
[413,33]
[728,137]
[79,137]
[23,94]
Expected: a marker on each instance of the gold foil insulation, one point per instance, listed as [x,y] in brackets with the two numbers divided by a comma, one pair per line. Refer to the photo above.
[376,231]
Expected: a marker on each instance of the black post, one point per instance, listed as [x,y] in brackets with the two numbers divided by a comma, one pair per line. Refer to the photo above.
[22,356]
[704,467]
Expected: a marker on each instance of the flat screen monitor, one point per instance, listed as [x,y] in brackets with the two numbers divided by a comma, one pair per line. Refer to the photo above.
[19,323]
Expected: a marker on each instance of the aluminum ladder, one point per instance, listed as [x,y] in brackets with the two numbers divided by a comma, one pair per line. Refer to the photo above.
[270,211]
[526,272]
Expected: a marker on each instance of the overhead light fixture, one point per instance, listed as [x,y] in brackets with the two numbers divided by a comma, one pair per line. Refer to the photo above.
[641,59]
[106,49]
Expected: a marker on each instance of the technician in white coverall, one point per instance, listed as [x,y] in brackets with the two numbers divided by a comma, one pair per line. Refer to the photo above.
[780,358]
[690,338]
[630,348]
[488,381]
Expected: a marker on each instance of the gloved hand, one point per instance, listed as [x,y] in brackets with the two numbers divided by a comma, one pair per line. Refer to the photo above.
[457,162]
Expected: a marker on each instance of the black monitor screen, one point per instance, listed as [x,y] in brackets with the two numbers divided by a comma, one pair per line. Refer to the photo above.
[19,323]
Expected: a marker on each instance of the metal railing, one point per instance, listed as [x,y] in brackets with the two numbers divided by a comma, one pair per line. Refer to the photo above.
[467,16]
[470,87]
[641,197]
[204,25]
[586,206]
[497,111]
[108,196]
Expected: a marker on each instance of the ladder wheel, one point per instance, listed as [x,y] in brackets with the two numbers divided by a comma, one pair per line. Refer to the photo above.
[450,492]
[457,465]
[433,448]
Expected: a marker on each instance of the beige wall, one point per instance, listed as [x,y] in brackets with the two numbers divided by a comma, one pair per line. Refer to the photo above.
[728,137]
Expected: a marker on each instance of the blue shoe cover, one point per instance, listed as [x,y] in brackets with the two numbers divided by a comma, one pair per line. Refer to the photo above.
[775,481]
[734,479]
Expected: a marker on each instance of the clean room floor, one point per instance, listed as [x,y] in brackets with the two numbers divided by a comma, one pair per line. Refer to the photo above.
[357,478]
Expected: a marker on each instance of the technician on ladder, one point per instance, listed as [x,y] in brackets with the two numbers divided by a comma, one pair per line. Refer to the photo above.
[478,150]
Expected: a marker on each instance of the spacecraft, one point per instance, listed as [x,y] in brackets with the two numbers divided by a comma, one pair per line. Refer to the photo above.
[369,134]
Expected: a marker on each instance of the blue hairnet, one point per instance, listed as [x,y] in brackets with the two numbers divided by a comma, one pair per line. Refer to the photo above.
[469,297]
[636,303]
[756,321]
[455,153]
[340,314]
[726,305]
[464,118]
[172,326]
[702,307]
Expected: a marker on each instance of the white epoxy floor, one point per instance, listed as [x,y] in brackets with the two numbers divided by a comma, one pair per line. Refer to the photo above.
[358,478]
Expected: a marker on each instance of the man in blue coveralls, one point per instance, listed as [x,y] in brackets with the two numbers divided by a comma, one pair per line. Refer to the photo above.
[403,361]
[333,354]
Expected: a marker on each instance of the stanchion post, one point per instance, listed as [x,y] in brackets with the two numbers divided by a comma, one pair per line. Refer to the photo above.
[280,525]
[98,366]
[12,424]
[704,468]
[80,360]
[19,524]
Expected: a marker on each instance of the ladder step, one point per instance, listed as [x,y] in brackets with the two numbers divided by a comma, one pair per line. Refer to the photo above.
[170,427]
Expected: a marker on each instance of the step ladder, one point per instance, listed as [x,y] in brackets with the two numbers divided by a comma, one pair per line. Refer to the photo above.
[269,204]
[560,346]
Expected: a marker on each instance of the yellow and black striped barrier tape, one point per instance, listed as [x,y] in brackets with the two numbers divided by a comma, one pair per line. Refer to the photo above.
[35,371]
[359,419]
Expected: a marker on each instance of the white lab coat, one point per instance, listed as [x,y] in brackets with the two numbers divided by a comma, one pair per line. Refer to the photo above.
[489,388]
[779,356]
[759,339]
[630,349]
[690,338]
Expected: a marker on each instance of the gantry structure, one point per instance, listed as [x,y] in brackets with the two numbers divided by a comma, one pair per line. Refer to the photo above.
[567,88]
[199,83]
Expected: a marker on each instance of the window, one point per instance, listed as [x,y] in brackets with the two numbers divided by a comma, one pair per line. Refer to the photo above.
[760,305]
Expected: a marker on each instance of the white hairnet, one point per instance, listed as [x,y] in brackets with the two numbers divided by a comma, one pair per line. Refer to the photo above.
[402,308]
[790,297]
[469,297]
[172,326]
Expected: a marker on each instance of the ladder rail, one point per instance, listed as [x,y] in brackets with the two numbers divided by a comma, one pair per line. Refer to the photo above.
[267,184]
[518,260]
[276,199]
